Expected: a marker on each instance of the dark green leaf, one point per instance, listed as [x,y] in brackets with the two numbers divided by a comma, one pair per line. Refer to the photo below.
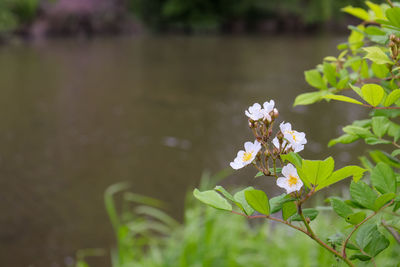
[359,256]
[363,194]
[277,202]
[344,139]
[380,125]
[308,213]
[383,178]
[340,207]
[382,200]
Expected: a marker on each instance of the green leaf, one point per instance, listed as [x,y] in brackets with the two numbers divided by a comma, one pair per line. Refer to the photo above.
[383,178]
[344,139]
[340,207]
[376,141]
[330,73]
[259,174]
[372,94]
[258,200]
[380,70]
[308,213]
[277,202]
[356,12]
[356,218]
[393,15]
[370,240]
[314,78]
[392,97]
[359,256]
[380,125]
[343,99]
[394,131]
[379,156]
[357,130]
[241,199]
[293,158]
[288,209]
[356,89]
[212,199]
[342,83]
[375,54]
[309,98]
[225,193]
[363,195]
[314,172]
[395,153]
[377,9]
[364,70]
[382,200]
[355,171]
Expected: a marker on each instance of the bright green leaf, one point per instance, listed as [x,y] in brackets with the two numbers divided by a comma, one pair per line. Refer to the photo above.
[293,158]
[315,172]
[357,130]
[258,200]
[355,218]
[288,209]
[376,141]
[314,78]
[375,54]
[212,199]
[277,202]
[225,193]
[240,198]
[343,99]
[393,15]
[355,171]
[372,94]
[380,70]
[357,12]
[392,97]
[330,73]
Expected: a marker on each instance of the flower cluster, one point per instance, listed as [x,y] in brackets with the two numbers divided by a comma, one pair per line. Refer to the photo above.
[261,153]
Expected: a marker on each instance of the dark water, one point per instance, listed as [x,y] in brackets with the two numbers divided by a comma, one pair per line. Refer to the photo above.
[78,116]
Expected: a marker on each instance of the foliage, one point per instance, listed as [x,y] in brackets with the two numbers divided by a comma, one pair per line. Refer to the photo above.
[219,14]
[14,13]
[147,236]
[368,67]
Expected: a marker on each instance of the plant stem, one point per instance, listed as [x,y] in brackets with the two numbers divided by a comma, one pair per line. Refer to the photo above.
[390,3]
[311,234]
[358,225]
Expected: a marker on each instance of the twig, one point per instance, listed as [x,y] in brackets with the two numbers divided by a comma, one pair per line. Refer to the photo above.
[359,224]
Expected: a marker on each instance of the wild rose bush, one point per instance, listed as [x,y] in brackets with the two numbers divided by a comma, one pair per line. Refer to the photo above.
[369,68]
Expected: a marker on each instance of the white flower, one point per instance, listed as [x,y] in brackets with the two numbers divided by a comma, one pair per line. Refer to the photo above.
[254,112]
[268,107]
[291,182]
[296,139]
[246,157]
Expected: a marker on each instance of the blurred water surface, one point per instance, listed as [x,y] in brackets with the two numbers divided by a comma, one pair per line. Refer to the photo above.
[78,116]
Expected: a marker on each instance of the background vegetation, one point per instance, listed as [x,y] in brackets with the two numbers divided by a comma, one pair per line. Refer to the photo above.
[198,15]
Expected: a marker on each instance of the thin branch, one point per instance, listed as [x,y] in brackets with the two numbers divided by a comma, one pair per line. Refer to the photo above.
[392,231]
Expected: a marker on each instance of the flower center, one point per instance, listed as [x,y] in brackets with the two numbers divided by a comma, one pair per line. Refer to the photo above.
[247,156]
[293,135]
[292,180]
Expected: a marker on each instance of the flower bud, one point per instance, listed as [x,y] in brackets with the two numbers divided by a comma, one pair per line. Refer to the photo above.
[251,123]
[391,44]
[279,136]
[276,113]
[392,37]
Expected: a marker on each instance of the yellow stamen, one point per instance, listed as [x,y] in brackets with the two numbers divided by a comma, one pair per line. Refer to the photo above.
[292,180]
[293,135]
[247,156]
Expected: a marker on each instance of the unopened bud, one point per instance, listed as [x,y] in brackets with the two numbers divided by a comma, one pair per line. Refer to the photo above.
[276,113]
[391,44]
[392,37]
[279,136]
[275,151]
[251,123]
